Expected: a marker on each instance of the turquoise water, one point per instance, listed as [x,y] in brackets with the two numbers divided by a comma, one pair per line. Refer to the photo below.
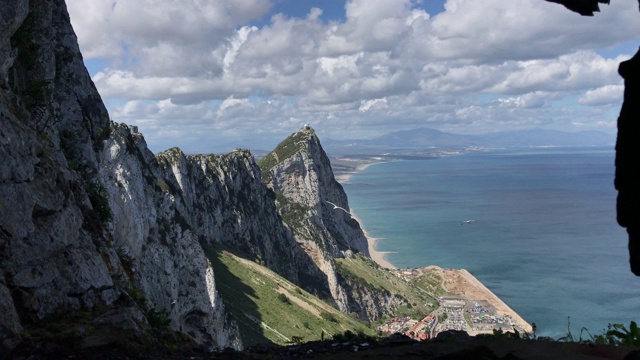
[543,237]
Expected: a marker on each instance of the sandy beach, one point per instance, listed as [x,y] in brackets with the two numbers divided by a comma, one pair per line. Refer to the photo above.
[456,281]
[377,256]
[345,176]
[463,283]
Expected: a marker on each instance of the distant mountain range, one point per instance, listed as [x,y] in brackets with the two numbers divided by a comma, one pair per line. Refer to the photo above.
[426,138]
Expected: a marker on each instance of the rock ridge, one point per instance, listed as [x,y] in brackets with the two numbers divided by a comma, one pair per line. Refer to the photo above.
[95,227]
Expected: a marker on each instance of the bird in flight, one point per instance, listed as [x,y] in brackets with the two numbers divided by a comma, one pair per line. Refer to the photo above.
[466,222]
[337,207]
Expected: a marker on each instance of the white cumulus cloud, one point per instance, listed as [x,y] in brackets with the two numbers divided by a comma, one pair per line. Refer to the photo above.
[220,69]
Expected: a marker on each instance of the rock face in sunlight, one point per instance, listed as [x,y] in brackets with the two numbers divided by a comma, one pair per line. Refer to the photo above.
[99,236]
[314,205]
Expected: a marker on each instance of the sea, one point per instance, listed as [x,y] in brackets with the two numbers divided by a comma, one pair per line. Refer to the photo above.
[536,226]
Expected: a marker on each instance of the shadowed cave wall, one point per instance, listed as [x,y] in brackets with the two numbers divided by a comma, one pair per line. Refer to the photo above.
[627,177]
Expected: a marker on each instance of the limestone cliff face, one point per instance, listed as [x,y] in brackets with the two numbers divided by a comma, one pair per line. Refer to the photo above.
[300,173]
[227,202]
[94,226]
[88,221]
[50,259]
[159,248]
[371,304]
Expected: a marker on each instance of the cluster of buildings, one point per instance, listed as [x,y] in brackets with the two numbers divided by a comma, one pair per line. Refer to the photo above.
[416,329]
[407,274]
[474,317]
[456,312]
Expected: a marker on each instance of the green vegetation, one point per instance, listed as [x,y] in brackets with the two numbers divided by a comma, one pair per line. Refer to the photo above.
[354,338]
[287,148]
[158,319]
[616,334]
[293,214]
[619,335]
[98,197]
[430,282]
[365,272]
[325,315]
[163,186]
[283,298]
[251,294]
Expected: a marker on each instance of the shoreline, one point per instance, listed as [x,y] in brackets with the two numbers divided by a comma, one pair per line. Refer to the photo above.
[473,289]
[378,256]
[346,176]
[500,305]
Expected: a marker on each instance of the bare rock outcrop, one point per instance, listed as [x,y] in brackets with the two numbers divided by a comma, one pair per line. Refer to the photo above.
[89,227]
[50,259]
[314,205]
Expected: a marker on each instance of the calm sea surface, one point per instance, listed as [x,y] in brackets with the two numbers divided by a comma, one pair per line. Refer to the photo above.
[543,237]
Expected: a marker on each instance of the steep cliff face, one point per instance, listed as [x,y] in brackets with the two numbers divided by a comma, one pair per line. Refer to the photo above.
[101,235]
[92,222]
[159,247]
[300,173]
[226,201]
[314,205]
[50,259]
[88,222]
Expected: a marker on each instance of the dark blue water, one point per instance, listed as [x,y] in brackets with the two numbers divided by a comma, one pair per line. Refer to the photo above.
[544,236]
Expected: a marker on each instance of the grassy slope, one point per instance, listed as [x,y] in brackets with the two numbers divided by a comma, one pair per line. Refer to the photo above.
[251,294]
[287,148]
[420,293]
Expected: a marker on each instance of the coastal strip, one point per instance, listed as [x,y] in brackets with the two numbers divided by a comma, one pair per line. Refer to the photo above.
[463,284]
[378,256]
[456,281]
[345,167]
[501,307]
[345,176]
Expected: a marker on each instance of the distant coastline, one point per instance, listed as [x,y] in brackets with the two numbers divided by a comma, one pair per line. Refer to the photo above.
[378,256]
[344,169]
[458,282]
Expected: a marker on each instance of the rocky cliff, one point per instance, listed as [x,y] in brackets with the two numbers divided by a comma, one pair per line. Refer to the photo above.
[314,205]
[101,237]
[55,258]
[89,226]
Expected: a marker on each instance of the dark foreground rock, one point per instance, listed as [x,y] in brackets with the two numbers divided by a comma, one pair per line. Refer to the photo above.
[393,348]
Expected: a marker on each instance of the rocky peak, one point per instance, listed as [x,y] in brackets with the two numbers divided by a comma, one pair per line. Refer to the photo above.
[101,237]
[308,195]
[299,172]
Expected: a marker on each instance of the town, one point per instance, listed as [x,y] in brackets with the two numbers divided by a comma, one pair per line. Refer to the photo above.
[462,312]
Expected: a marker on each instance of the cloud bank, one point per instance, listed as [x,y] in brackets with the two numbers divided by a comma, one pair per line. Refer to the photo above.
[214,75]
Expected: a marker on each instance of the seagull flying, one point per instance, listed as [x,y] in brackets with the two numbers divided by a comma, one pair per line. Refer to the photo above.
[337,207]
[466,222]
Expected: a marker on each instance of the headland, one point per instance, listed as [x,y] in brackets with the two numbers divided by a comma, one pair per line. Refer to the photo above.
[468,304]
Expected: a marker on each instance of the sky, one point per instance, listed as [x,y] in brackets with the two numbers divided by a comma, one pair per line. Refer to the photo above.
[215,75]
